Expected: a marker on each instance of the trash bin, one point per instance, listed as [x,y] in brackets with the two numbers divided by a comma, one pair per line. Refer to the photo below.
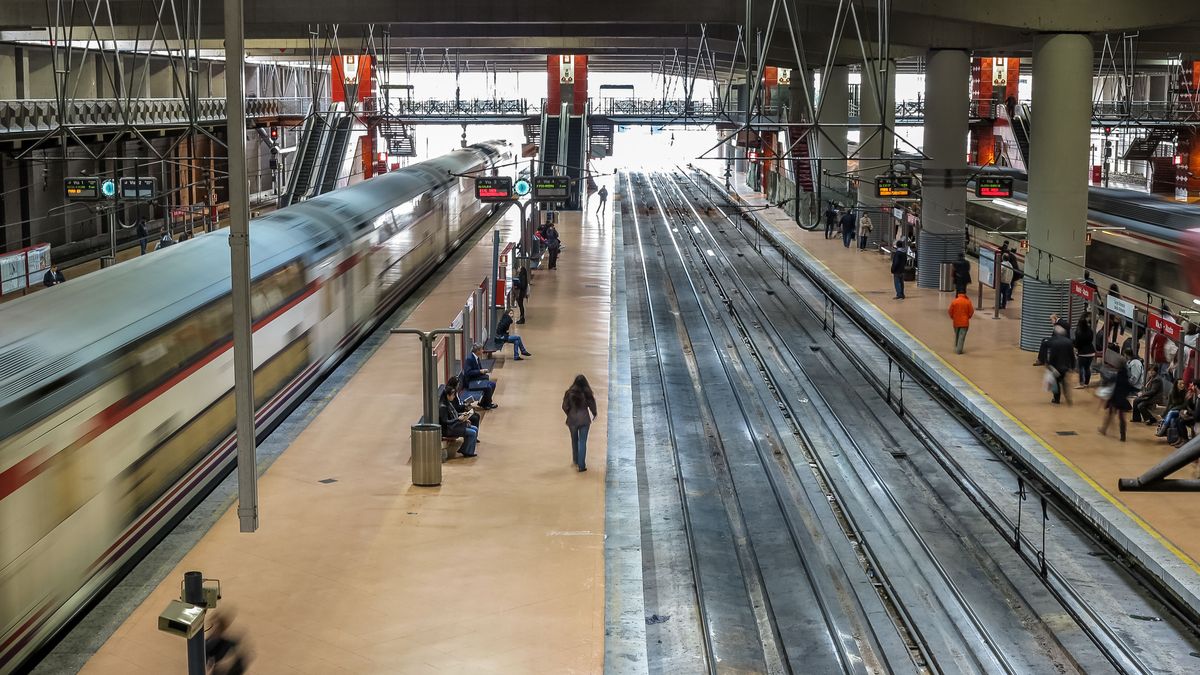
[107,261]
[426,454]
[946,278]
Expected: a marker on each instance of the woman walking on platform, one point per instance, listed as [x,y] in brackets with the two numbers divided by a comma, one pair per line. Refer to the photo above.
[580,406]
[1118,400]
[1085,351]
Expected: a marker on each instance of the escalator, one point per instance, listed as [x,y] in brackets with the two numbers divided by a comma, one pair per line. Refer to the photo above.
[548,156]
[1020,125]
[305,159]
[334,166]
[576,159]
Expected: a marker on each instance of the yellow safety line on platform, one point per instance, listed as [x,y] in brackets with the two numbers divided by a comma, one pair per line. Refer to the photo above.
[1068,463]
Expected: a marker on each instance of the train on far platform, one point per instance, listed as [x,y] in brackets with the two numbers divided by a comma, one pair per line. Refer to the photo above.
[116,388]
[1137,238]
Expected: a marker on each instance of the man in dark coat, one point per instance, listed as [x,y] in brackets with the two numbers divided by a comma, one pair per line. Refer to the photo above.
[831,217]
[1060,358]
[142,234]
[899,260]
[53,277]
[962,274]
[848,227]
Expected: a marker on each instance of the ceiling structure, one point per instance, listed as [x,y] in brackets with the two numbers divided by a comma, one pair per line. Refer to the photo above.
[620,35]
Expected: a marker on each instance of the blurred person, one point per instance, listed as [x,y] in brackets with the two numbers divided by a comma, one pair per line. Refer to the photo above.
[53,277]
[847,223]
[1085,350]
[143,235]
[1118,401]
[961,310]
[831,218]
[864,231]
[1017,275]
[1055,320]
[224,654]
[580,406]
[1060,360]
[962,273]
[603,194]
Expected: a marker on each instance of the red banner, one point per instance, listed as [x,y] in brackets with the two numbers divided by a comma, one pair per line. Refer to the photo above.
[350,79]
[1167,327]
[1082,290]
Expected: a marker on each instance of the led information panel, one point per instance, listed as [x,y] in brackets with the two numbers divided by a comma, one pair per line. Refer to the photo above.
[895,185]
[551,188]
[494,189]
[137,188]
[994,186]
[82,189]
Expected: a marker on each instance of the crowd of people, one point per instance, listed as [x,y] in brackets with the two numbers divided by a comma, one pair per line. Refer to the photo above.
[466,396]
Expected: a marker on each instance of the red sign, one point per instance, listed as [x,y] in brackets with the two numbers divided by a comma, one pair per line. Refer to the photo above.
[1083,290]
[1097,175]
[350,79]
[1167,327]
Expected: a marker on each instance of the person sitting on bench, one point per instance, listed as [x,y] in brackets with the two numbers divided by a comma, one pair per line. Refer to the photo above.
[476,377]
[456,424]
[502,336]
[460,406]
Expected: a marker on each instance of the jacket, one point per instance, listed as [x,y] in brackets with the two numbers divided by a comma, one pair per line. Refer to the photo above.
[1122,389]
[448,418]
[1006,273]
[472,369]
[503,326]
[864,226]
[1152,391]
[961,310]
[848,222]
[1177,399]
[899,260]
[830,216]
[1137,375]
[1085,341]
[53,278]
[577,408]
[1060,353]
[962,271]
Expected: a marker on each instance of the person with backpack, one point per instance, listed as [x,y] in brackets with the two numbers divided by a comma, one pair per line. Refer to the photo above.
[580,406]
[961,310]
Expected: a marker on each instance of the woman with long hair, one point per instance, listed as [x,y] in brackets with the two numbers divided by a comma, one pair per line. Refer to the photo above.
[580,406]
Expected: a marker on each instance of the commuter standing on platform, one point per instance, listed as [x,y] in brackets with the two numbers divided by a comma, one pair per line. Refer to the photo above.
[1017,275]
[477,378]
[603,194]
[864,231]
[1085,350]
[831,217]
[1006,280]
[1118,400]
[962,273]
[1116,326]
[553,244]
[520,290]
[142,234]
[53,277]
[847,227]
[1137,370]
[899,260]
[1060,359]
[580,406]
[961,311]
[1055,320]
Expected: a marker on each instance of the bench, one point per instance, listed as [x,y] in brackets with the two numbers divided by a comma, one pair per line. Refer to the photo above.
[450,444]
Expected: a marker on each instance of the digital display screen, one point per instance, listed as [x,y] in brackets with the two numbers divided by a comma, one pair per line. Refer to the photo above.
[893,186]
[137,188]
[494,189]
[994,186]
[82,189]
[551,188]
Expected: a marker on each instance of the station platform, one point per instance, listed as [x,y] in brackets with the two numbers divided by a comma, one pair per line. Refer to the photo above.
[999,377]
[500,569]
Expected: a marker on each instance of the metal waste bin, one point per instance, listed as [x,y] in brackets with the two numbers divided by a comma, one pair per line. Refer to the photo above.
[426,454]
[946,278]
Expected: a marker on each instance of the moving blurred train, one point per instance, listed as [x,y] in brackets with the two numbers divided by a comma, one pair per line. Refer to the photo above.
[1138,239]
[116,389]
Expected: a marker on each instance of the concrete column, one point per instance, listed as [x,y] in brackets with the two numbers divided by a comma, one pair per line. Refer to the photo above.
[943,196]
[162,83]
[39,78]
[1057,220]
[8,72]
[833,108]
[875,142]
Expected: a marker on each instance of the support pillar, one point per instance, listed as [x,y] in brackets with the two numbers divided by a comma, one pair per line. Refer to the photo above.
[834,108]
[877,107]
[943,196]
[1057,220]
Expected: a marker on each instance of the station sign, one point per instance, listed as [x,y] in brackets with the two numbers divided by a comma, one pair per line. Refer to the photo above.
[1083,290]
[1161,324]
[551,188]
[1118,306]
[86,189]
[987,266]
[997,187]
[137,189]
[494,189]
[894,185]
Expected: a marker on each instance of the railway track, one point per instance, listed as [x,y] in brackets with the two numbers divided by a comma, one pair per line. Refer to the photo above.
[812,528]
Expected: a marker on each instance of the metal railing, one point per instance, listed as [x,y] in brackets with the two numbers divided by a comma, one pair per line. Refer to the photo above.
[457,108]
[34,115]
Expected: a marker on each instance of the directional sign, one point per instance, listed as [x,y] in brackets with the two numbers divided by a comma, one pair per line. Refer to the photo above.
[894,185]
[551,188]
[137,188]
[1000,187]
[85,189]
[494,189]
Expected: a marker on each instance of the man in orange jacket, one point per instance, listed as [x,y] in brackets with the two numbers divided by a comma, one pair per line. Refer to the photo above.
[961,311]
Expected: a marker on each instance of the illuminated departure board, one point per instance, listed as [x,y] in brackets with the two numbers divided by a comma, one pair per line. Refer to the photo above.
[895,185]
[494,189]
[86,189]
[994,186]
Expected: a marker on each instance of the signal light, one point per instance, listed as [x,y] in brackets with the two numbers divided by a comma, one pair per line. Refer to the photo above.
[274,133]
[1178,160]
[1108,130]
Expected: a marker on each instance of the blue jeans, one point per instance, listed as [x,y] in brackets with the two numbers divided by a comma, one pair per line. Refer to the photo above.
[579,446]
[862,242]
[469,437]
[518,345]
[847,237]
[486,386]
[1005,294]
[898,280]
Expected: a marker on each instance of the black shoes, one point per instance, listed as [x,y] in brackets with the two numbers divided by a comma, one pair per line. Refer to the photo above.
[582,469]
[521,320]
[489,406]
[526,354]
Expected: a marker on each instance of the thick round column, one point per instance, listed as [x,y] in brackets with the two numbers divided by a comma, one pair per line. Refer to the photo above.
[943,192]
[1057,220]
[833,108]
[876,142]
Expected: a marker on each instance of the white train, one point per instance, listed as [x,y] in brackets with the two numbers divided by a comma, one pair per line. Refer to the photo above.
[116,389]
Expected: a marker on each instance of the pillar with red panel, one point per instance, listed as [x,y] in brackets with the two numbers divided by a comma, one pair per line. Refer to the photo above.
[1187,147]
[566,82]
[352,83]
[994,81]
